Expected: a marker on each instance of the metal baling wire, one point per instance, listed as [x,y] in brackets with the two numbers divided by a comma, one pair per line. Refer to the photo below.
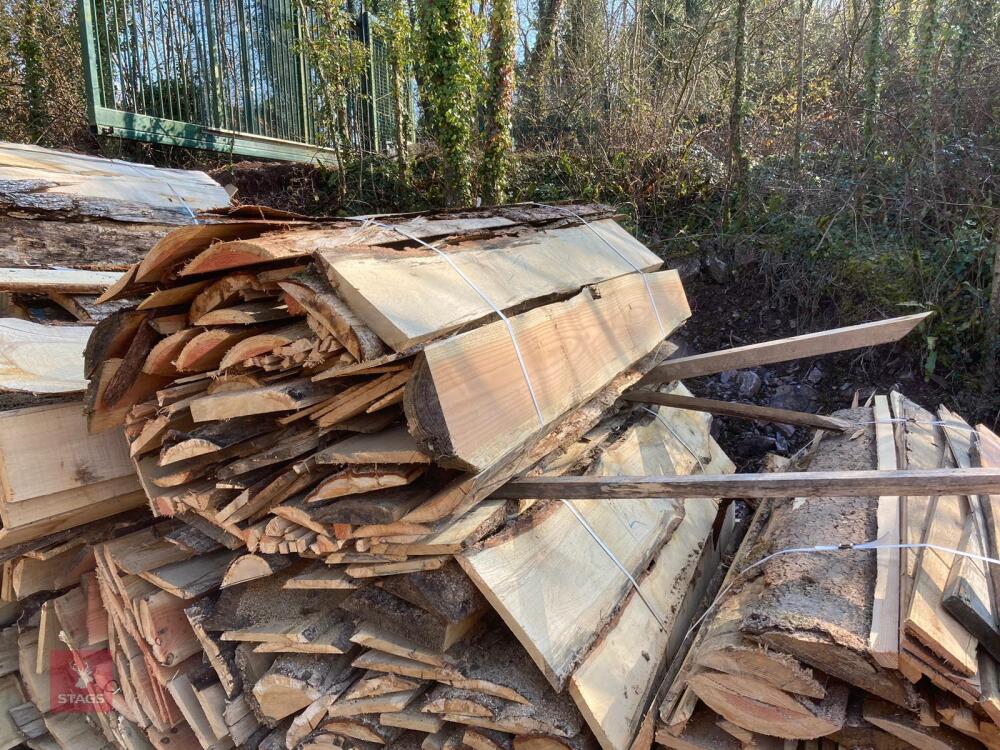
[635,584]
[614,558]
[844,547]
[619,253]
[140,170]
[678,438]
[576,513]
[481,293]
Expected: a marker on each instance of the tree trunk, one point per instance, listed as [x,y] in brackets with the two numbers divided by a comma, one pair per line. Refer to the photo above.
[737,111]
[399,45]
[538,58]
[448,96]
[499,103]
[992,342]
[800,88]
[873,81]
[926,48]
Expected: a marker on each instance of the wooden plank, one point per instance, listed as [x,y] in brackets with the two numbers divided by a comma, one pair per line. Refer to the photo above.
[47,181]
[783,350]
[793,484]
[465,492]
[65,280]
[67,520]
[967,596]
[548,578]
[348,235]
[390,293]
[296,394]
[926,619]
[37,358]
[64,504]
[986,453]
[884,637]
[392,446]
[469,398]
[614,714]
[30,468]
[191,578]
[742,411]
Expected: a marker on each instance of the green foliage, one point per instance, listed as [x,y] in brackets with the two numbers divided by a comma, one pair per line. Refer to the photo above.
[41,73]
[399,48]
[498,140]
[447,73]
[338,59]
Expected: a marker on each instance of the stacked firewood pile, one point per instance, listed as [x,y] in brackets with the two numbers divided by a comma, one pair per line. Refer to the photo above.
[319,415]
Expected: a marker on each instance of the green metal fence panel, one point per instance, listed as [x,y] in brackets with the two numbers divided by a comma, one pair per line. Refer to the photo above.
[225,75]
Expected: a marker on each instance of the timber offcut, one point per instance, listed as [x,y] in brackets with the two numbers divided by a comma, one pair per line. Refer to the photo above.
[432,481]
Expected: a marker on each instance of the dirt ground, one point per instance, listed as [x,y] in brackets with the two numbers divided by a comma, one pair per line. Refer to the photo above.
[739,312]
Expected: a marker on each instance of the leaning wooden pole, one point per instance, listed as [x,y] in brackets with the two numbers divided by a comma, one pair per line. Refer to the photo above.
[930,482]
[741,411]
[784,350]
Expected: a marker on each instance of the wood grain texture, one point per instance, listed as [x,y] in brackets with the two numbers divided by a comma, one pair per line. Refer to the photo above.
[547,577]
[884,638]
[783,350]
[46,181]
[29,468]
[469,400]
[390,293]
[38,358]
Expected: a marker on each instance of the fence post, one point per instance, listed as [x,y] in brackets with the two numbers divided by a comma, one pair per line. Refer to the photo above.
[91,49]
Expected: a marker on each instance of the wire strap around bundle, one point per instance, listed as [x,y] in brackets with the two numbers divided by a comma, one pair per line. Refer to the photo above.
[614,558]
[619,253]
[678,438]
[141,171]
[482,295]
[873,545]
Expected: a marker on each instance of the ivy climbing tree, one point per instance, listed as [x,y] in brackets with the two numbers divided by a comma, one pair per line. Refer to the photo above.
[399,48]
[873,79]
[738,166]
[447,75]
[338,59]
[498,143]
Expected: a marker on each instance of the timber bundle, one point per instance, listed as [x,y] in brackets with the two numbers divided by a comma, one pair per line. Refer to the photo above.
[327,525]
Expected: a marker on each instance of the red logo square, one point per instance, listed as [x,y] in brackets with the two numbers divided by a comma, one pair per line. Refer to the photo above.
[81,682]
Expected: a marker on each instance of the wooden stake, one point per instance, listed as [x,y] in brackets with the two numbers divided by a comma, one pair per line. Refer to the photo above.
[743,411]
